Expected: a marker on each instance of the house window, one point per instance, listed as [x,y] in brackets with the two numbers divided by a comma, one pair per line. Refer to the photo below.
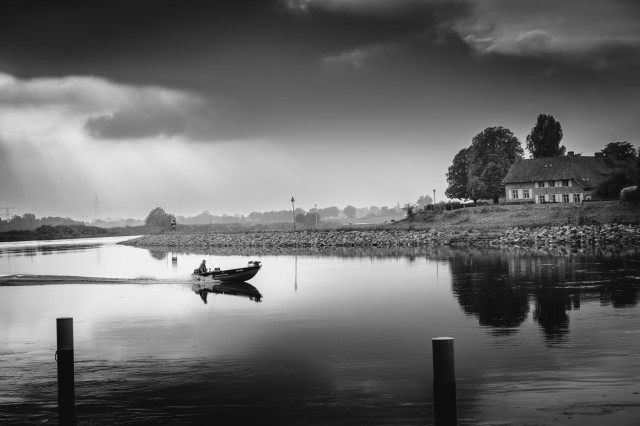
[552,183]
[576,198]
[552,198]
[566,182]
[565,198]
[525,193]
[514,194]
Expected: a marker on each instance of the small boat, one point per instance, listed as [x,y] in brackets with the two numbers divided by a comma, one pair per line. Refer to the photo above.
[239,274]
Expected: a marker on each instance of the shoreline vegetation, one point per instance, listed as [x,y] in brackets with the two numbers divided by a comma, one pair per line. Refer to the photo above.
[594,224]
[579,226]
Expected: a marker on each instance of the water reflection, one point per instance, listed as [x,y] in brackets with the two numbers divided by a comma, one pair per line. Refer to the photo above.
[498,286]
[442,253]
[158,255]
[242,289]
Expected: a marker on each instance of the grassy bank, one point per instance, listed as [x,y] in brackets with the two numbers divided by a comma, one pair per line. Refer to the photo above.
[501,217]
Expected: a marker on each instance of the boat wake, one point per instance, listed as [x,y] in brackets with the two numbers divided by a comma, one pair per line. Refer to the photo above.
[26,280]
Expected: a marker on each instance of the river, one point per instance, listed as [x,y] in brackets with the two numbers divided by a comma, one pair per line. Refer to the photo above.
[321,337]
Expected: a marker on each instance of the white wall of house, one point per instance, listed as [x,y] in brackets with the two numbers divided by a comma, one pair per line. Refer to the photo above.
[553,191]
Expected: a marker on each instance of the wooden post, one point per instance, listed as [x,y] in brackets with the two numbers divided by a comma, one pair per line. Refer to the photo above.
[64,356]
[444,382]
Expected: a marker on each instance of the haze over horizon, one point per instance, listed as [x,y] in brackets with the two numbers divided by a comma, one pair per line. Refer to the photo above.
[234,107]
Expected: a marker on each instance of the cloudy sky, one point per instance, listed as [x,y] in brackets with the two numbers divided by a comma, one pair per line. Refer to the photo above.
[235,106]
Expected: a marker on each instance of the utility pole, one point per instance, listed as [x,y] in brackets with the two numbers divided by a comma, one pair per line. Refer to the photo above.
[6,212]
[316,206]
[293,212]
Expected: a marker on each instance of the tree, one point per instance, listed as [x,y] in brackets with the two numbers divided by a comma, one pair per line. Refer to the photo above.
[350,212]
[620,150]
[424,201]
[544,139]
[458,176]
[409,209]
[308,219]
[491,154]
[158,217]
[332,211]
[611,188]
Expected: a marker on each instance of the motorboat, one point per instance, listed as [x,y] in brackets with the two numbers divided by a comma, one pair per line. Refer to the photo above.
[238,274]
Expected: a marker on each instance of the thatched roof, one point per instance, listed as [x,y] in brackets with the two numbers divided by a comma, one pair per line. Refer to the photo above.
[588,172]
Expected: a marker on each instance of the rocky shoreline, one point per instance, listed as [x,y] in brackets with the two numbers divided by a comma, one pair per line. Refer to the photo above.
[585,236]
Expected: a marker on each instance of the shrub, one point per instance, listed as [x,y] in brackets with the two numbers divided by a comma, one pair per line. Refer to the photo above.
[630,195]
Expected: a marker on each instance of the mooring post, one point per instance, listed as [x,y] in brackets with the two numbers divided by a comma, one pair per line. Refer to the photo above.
[444,382]
[64,356]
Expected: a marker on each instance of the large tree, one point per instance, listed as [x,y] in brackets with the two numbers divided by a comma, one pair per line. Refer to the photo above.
[491,154]
[544,139]
[458,176]
[158,217]
[350,212]
[620,150]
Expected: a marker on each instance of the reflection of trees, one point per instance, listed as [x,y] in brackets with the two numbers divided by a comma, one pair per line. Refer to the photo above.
[620,296]
[158,255]
[484,289]
[552,304]
[495,285]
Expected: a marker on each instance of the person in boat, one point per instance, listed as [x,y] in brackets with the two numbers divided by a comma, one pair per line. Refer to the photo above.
[203,266]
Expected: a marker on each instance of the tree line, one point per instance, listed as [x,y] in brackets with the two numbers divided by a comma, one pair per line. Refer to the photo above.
[477,171]
[29,221]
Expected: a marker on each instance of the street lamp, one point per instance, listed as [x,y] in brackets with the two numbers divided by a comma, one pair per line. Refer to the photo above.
[293,211]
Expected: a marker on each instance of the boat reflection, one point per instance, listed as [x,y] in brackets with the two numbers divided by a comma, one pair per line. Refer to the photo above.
[242,289]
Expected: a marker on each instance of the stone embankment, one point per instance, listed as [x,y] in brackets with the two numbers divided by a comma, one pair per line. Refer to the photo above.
[611,235]
[608,235]
[364,238]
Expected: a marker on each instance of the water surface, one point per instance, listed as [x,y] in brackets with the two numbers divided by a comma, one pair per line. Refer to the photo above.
[333,338]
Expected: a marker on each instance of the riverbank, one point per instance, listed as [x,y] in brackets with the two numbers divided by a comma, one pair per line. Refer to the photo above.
[588,225]
[585,236]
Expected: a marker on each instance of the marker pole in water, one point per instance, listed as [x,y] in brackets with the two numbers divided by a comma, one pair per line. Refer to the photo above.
[444,382]
[64,356]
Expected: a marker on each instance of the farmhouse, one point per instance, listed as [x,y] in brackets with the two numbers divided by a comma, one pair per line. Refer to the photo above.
[567,179]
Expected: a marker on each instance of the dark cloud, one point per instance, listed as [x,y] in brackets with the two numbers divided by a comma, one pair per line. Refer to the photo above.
[293,64]
[152,114]
[224,47]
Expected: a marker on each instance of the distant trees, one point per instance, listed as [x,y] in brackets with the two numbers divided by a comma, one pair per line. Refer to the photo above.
[621,151]
[544,139]
[491,154]
[458,176]
[158,217]
[28,221]
[329,212]
[350,212]
[308,219]
[424,201]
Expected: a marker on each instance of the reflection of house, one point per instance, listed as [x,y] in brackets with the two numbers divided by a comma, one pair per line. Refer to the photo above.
[569,179]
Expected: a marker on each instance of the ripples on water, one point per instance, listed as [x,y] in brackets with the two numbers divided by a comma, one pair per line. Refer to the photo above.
[323,337]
